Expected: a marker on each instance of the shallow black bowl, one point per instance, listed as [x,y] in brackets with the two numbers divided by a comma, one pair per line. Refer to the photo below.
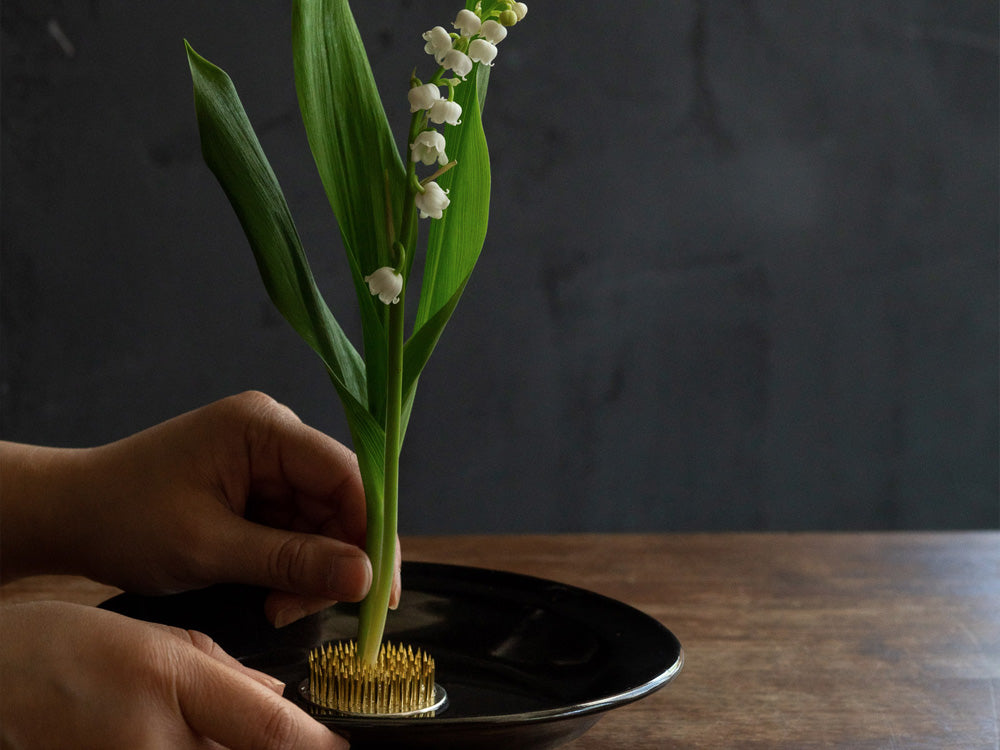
[527,663]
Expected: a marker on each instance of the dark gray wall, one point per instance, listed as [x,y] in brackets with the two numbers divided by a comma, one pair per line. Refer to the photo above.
[742,269]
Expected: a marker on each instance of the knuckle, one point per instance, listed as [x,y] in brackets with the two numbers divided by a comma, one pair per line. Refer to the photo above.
[281,727]
[201,641]
[289,561]
[264,420]
[254,409]
[253,400]
[263,406]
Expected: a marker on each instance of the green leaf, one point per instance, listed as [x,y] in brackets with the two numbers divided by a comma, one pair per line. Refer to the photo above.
[354,150]
[233,153]
[456,239]
[368,439]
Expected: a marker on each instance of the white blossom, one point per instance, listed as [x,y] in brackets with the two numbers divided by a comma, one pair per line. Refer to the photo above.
[520,9]
[423,97]
[444,111]
[387,283]
[432,201]
[438,43]
[458,61]
[467,23]
[493,32]
[428,147]
[481,51]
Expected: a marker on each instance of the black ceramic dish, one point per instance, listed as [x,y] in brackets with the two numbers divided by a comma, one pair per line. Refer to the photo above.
[527,663]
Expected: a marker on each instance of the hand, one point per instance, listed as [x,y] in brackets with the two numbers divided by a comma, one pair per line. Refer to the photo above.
[78,677]
[237,491]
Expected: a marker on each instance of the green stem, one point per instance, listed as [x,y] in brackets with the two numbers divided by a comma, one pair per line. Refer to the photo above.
[417,123]
[382,512]
[382,541]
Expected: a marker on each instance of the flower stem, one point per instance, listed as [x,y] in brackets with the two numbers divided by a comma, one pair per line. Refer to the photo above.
[382,517]
[382,550]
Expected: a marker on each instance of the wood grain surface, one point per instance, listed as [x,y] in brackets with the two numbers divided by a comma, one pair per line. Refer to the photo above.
[855,640]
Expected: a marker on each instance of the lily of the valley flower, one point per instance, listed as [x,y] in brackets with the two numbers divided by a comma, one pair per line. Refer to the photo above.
[438,43]
[444,111]
[467,23]
[475,42]
[431,203]
[493,32]
[428,147]
[387,283]
[458,61]
[481,51]
[423,97]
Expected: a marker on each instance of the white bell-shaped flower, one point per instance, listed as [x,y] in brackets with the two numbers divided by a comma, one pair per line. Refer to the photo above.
[438,43]
[432,201]
[444,111]
[467,23]
[458,61]
[428,147]
[481,51]
[520,9]
[387,283]
[423,97]
[493,32]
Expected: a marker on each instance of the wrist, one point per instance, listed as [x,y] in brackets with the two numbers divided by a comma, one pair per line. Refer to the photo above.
[39,489]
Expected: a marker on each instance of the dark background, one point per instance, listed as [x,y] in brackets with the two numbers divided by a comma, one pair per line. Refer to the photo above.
[742,268]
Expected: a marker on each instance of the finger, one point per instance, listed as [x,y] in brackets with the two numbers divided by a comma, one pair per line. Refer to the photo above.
[212,649]
[397,579]
[282,608]
[286,452]
[232,709]
[309,565]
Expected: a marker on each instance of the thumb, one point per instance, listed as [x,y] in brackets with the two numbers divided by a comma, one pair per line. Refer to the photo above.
[310,565]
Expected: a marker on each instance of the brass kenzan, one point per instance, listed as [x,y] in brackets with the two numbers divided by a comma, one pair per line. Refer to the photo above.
[401,680]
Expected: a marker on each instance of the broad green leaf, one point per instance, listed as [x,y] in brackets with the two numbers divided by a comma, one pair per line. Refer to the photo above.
[233,153]
[368,439]
[456,239]
[418,349]
[354,150]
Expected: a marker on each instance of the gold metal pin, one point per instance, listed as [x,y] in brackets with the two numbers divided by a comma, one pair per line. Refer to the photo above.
[400,683]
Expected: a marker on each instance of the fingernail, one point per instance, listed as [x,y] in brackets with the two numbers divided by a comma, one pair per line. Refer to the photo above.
[396,593]
[288,615]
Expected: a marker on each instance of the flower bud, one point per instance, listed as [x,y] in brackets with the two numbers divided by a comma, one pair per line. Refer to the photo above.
[493,32]
[432,201]
[520,10]
[467,23]
[508,17]
[428,147]
[444,111]
[423,97]
[481,51]
[387,283]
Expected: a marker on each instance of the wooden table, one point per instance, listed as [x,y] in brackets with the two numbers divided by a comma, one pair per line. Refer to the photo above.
[872,640]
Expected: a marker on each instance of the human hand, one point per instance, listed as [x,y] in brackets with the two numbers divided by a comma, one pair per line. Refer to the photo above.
[78,677]
[236,491]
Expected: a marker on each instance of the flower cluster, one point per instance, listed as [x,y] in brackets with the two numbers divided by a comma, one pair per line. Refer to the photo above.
[475,39]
